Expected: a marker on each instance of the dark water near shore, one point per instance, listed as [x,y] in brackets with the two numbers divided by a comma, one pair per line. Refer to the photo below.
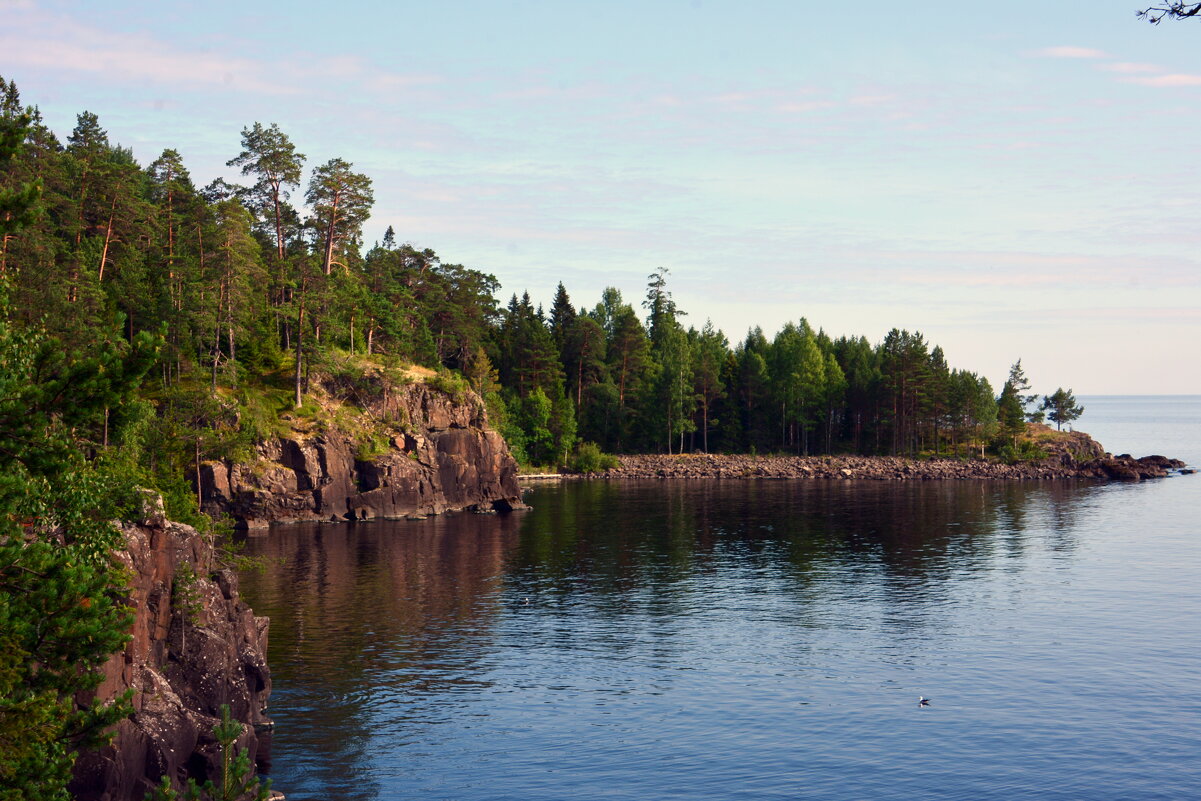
[755,640]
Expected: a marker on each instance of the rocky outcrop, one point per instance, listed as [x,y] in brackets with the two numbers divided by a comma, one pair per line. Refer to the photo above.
[1126,468]
[891,468]
[196,646]
[440,456]
[1066,448]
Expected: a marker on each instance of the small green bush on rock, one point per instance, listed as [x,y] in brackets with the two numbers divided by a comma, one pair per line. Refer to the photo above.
[589,458]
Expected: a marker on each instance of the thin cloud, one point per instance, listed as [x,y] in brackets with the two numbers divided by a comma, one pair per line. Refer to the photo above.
[1175,79]
[1124,315]
[872,100]
[1129,68]
[82,49]
[1070,51]
[801,108]
[137,58]
[730,98]
[1018,269]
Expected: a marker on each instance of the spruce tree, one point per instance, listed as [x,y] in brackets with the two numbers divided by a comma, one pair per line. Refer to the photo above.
[1011,406]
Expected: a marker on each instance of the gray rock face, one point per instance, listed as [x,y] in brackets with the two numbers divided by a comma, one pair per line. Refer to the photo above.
[445,458]
[196,645]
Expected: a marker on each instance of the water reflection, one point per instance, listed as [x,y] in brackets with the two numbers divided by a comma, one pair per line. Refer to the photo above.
[363,614]
[402,649]
[618,536]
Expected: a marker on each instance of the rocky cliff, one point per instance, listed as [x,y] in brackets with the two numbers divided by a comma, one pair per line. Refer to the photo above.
[196,646]
[439,455]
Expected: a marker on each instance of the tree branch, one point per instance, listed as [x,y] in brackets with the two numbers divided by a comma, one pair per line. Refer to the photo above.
[1176,10]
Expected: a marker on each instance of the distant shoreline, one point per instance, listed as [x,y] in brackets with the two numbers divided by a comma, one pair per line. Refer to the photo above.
[884,468]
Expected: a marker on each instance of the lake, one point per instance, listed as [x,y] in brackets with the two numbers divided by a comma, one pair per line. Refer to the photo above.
[754,640]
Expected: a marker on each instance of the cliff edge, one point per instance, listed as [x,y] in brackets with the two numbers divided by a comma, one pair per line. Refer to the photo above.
[196,646]
[433,452]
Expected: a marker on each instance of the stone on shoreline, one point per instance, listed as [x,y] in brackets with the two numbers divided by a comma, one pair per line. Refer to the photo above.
[1059,465]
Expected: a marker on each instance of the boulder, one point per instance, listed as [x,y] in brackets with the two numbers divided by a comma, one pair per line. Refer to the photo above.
[1120,469]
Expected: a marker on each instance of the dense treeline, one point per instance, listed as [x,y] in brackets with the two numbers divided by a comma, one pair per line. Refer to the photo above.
[242,284]
[602,375]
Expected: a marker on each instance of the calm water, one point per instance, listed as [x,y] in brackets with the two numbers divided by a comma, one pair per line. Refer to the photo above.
[755,640]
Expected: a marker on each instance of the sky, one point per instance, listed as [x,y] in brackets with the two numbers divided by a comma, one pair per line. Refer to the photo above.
[1013,180]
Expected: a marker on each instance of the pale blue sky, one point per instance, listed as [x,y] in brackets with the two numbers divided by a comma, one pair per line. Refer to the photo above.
[1012,179]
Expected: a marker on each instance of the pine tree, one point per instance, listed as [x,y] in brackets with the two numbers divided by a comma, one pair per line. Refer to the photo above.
[270,157]
[709,347]
[937,398]
[835,396]
[1062,407]
[812,383]
[341,201]
[584,362]
[236,270]
[18,203]
[237,781]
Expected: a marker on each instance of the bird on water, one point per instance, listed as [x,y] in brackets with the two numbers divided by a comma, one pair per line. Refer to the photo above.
[923,701]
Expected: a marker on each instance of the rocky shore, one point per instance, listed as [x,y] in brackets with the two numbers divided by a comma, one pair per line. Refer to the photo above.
[884,468]
[1073,455]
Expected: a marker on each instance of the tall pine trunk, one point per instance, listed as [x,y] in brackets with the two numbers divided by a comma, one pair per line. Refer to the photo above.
[299,343]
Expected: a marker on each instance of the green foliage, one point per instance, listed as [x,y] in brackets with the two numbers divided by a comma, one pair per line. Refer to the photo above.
[1061,407]
[372,446]
[562,427]
[19,203]
[1023,451]
[61,607]
[588,458]
[184,593]
[236,782]
[450,383]
[532,415]
[503,421]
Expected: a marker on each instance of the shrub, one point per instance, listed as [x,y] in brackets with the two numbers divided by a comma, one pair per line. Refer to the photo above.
[237,781]
[452,384]
[372,446]
[589,458]
[1026,451]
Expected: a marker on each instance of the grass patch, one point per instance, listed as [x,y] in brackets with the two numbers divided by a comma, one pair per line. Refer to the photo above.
[452,384]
